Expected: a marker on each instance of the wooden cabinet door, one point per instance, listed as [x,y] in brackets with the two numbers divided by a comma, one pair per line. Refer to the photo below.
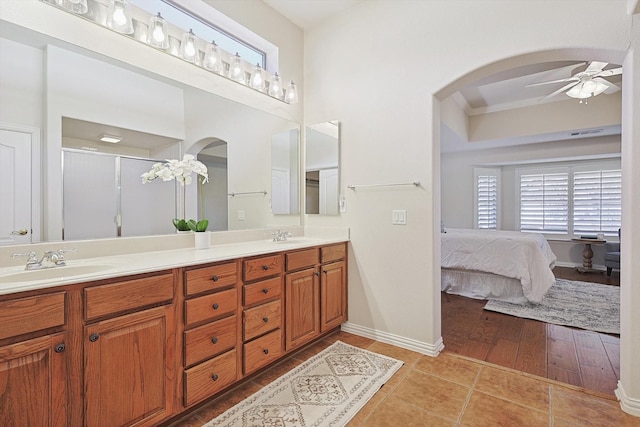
[302,307]
[333,293]
[128,369]
[33,382]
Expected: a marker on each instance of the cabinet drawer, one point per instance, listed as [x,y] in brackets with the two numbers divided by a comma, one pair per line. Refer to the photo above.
[265,290]
[302,259]
[127,295]
[333,252]
[209,377]
[210,278]
[262,319]
[210,339]
[262,351]
[209,307]
[24,315]
[258,268]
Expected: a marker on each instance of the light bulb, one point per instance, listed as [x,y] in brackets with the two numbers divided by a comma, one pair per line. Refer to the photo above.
[236,70]
[118,18]
[291,95]
[589,86]
[188,48]
[157,33]
[78,6]
[257,78]
[212,59]
[275,86]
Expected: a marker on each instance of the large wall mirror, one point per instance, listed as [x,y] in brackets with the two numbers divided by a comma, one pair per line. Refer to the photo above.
[322,168]
[67,98]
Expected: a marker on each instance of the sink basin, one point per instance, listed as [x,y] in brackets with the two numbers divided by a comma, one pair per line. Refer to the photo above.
[55,273]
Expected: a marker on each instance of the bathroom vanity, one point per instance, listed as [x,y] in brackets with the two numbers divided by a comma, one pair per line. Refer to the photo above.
[139,345]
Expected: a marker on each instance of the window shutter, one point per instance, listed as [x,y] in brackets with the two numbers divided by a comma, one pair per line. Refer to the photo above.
[544,202]
[597,202]
[487,201]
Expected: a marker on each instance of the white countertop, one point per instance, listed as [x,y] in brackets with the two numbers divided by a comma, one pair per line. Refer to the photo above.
[16,279]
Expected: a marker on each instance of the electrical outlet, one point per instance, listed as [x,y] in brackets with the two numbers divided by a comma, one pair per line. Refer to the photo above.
[240,215]
[399,217]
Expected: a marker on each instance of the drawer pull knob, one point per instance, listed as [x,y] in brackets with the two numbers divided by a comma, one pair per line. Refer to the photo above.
[265,291]
[265,319]
[214,340]
[214,377]
[60,348]
[317,273]
[94,337]
[265,351]
[215,278]
[215,306]
[265,267]
[325,271]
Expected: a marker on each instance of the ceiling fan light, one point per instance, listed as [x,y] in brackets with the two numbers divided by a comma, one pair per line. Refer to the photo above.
[578,92]
[600,87]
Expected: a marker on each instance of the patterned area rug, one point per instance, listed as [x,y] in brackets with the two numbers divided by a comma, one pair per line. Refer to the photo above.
[326,390]
[584,305]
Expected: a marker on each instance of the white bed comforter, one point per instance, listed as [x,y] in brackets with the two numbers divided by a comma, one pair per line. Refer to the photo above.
[526,257]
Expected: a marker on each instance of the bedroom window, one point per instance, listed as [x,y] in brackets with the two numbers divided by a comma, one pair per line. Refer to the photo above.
[486,198]
[577,200]
[544,202]
[597,201]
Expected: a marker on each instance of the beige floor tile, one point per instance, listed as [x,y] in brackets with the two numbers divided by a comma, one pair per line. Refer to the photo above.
[277,371]
[367,409]
[450,367]
[351,339]
[407,356]
[576,405]
[517,388]
[484,410]
[439,396]
[394,412]
[227,400]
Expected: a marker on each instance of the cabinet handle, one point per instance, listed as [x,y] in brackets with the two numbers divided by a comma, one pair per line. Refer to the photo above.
[265,319]
[265,267]
[94,337]
[215,278]
[214,340]
[265,351]
[265,291]
[214,377]
[60,348]
[325,271]
[215,306]
[317,273]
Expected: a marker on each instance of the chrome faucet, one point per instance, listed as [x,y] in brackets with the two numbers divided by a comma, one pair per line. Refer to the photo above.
[49,259]
[280,236]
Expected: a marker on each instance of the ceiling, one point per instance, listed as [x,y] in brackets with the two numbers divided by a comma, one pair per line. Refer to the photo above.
[308,13]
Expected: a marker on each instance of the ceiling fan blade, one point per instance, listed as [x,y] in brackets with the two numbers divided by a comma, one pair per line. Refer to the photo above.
[609,73]
[596,66]
[553,81]
[562,89]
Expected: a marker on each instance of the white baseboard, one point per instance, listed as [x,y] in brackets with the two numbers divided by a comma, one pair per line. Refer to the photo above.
[628,404]
[397,340]
[575,265]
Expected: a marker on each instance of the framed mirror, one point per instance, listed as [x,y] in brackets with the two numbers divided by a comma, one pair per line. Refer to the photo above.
[322,168]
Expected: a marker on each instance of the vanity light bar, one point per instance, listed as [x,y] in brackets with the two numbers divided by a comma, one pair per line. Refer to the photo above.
[158,37]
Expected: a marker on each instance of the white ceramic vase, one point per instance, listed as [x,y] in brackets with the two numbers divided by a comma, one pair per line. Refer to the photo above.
[202,240]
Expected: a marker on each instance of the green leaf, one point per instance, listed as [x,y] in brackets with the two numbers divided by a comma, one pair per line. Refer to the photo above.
[202,225]
[180,224]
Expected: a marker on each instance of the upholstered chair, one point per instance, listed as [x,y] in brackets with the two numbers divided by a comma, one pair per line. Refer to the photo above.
[612,255]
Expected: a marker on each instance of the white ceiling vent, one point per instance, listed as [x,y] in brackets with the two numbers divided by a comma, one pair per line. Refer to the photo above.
[585,132]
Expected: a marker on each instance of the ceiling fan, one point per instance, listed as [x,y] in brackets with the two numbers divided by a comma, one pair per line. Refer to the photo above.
[587,83]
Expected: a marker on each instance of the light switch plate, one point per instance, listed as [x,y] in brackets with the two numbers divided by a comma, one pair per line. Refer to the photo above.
[399,217]
[241,216]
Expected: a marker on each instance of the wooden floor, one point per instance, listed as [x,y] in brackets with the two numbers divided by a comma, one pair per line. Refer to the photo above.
[574,356]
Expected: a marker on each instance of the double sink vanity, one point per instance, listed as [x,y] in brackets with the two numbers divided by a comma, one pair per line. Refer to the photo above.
[141,337]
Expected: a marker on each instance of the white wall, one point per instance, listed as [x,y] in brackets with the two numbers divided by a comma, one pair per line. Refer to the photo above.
[391,125]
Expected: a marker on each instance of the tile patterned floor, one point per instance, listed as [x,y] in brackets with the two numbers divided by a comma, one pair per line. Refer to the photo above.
[449,390]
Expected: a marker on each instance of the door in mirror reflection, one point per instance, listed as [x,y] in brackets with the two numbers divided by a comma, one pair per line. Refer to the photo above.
[212,197]
[322,171]
[285,180]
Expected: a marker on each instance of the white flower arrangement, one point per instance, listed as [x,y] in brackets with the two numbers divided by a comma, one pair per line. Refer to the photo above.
[180,170]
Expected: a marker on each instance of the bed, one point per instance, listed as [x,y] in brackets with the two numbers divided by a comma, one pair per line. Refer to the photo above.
[491,264]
